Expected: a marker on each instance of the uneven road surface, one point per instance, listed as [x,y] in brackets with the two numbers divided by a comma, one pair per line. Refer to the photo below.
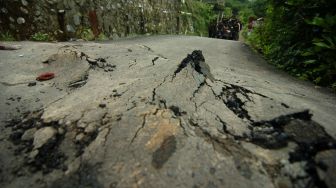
[165,111]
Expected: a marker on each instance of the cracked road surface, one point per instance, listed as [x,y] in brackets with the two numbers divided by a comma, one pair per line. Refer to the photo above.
[165,111]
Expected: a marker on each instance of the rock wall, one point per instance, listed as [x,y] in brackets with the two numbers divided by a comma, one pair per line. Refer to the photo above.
[65,19]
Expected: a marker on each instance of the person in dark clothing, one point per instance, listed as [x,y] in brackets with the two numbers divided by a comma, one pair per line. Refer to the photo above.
[225,29]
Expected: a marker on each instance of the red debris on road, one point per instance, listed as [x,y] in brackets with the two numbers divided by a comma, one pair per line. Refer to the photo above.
[45,76]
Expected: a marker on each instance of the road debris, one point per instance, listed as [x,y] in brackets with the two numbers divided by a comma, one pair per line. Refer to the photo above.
[31,84]
[45,76]
[10,47]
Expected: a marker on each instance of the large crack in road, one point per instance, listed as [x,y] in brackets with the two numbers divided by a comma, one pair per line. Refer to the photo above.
[298,127]
[117,126]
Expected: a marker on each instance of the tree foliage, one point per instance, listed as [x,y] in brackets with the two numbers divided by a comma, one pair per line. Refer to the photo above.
[299,36]
[201,15]
[203,12]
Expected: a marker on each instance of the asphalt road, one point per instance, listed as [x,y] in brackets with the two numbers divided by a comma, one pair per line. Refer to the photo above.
[121,114]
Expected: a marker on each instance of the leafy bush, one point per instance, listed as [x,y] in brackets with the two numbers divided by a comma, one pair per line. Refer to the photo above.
[6,37]
[102,37]
[245,13]
[86,34]
[228,12]
[201,13]
[299,37]
[39,36]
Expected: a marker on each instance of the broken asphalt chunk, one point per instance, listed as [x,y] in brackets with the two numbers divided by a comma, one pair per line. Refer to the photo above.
[43,135]
[102,105]
[197,61]
[91,61]
[31,84]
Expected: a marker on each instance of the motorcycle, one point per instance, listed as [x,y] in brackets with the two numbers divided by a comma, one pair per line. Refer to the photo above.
[227,33]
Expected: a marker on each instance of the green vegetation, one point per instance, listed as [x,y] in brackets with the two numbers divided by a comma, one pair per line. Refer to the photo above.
[102,37]
[240,9]
[299,37]
[86,34]
[201,15]
[39,36]
[228,12]
[202,12]
[6,37]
